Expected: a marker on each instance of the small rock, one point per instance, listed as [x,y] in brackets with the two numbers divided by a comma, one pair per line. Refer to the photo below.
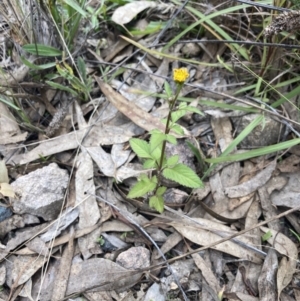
[266,133]
[155,293]
[41,192]
[134,258]
[4,213]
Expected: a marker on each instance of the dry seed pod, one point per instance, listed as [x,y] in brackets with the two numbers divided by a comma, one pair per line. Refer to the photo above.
[287,21]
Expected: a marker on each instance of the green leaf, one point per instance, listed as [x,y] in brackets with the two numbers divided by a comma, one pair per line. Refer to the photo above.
[82,69]
[42,50]
[161,190]
[142,187]
[156,154]
[171,139]
[168,90]
[176,115]
[256,152]
[266,236]
[149,163]
[177,129]
[172,160]
[140,147]
[183,175]
[37,67]
[76,7]
[157,202]
[156,140]
[62,87]
[10,104]
[194,110]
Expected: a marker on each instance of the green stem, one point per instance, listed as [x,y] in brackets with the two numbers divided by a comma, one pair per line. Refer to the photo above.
[167,130]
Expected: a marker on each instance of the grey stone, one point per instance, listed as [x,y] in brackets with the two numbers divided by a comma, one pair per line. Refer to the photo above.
[266,133]
[134,258]
[41,192]
[4,213]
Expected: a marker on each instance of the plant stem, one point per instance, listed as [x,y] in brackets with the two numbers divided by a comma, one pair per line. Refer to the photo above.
[167,130]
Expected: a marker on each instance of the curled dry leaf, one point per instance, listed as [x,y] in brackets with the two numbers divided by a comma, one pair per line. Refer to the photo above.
[128,12]
[250,186]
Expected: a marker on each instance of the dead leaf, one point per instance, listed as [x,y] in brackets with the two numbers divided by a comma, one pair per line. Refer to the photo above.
[124,14]
[207,274]
[267,278]
[252,185]
[131,110]
[101,275]
[203,232]
[7,190]
[89,212]
[281,276]
[286,247]
[61,281]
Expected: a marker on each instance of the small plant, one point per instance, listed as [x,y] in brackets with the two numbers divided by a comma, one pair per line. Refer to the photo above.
[101,241]
[153,152]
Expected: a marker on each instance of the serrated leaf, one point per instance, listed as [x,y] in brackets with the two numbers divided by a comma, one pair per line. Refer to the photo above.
[171,139]
[157,202]
[141,188]
[156,154]
[149,163]
[156,140]
[172,160]
[194,110]
[140,147]
[178,114]
[183,175]
[168,90]
[177,129]
[161,190]
[182,105]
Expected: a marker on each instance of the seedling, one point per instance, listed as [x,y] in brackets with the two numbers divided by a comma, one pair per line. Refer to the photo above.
[153,152]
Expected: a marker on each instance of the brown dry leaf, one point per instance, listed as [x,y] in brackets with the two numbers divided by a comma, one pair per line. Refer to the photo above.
[126,13]
[61,281]
[131,110]
[267,278]
[285,247]
[252,185]
[89,212]
[289,195]
[207,274]
[7,190]
[268,209]
[222,204]
[290,164]
[281,276]
[101,275]
[3,172]
[21,268]
[201,233]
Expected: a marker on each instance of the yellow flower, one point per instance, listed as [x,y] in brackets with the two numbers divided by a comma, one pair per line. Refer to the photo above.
[180,75]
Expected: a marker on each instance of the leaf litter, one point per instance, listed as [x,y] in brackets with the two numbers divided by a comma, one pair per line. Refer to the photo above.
[230,239]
